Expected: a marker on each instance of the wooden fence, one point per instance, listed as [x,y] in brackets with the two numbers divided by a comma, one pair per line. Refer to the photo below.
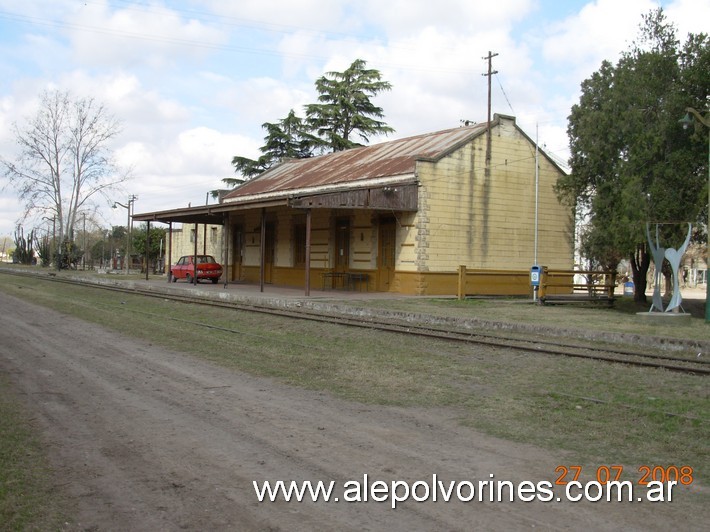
[559,286]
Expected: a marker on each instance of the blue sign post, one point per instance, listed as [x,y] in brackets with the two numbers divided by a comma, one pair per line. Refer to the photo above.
[535,278]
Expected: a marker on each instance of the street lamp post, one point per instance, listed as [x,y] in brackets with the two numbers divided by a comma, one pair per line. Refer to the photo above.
[129,208]
[704,120]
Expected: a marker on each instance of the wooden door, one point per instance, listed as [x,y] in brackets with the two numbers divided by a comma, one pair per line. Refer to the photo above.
[237,252]
[386,254]
[269,252]
[342,245]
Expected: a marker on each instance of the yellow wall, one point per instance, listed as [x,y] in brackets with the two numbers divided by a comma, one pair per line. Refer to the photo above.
[467,217]
[363,241]
[182,242]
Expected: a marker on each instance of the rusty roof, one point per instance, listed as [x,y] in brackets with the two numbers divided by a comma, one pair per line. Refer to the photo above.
[392,159]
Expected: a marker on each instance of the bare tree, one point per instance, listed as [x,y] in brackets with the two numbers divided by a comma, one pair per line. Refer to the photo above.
[64,162]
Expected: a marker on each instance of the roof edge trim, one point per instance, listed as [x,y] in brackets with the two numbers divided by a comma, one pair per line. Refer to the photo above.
[335,187]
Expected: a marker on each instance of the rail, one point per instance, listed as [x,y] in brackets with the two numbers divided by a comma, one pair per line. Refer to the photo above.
[587,350]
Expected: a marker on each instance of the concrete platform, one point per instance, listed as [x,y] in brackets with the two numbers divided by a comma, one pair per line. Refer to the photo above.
[239,290]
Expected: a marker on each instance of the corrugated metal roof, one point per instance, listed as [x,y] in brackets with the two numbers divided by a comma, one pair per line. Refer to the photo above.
[388,159]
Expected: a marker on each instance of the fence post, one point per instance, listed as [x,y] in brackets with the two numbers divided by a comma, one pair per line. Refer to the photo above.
[543,284]
[462,282]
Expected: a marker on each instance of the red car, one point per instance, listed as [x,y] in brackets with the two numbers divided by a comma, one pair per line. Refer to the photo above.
[207,268]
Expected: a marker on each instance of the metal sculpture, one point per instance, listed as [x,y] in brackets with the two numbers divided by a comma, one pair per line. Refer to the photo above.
[658,254]
[673,256]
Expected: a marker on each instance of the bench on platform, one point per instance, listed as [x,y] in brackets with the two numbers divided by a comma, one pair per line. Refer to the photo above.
[331,280]
[601,292]
[345,280]
[358,279]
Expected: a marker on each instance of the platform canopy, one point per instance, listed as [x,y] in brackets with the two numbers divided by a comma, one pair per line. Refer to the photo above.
[205,214]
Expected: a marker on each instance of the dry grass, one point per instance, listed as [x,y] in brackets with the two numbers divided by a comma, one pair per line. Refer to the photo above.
[599,413]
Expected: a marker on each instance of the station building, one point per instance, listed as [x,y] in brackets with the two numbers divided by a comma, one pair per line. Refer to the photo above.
[401,216]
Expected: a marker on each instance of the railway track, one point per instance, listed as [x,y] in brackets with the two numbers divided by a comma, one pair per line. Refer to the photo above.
[691,365]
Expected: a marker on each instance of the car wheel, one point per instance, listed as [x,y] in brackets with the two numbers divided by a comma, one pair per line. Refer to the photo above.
[173,278]
[214,280]
[188,278]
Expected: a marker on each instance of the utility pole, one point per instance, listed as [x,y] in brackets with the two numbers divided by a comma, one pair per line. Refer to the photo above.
[129,226]
[489,75]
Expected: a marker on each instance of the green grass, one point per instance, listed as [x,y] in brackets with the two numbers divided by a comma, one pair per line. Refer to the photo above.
[591,412]
[28,498]
[621,318]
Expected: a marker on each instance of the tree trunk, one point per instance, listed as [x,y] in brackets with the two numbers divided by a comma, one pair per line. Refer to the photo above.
[667,282]
[640,261]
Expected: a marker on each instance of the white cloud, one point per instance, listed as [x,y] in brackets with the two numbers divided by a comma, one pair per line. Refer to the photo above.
[187,110]
[208,151]
[689,16]
[404,17]
[138,34]
[281,16]
[258,100]
[183,168]
[8,214]
[599,31]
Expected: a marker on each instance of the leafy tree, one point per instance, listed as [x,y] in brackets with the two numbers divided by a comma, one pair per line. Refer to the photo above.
[107,242]
[69,255]
[100,252]
[631,161]
[345,109]
[157,234]
[64,162]
[118,237]
[286,139]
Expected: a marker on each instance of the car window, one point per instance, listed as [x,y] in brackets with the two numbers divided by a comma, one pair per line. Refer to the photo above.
[181,261]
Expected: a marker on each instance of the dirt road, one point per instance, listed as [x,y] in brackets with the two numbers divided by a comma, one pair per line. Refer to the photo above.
[147,439]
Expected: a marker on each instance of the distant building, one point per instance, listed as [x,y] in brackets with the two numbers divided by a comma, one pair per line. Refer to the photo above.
[209,241]
[6,249]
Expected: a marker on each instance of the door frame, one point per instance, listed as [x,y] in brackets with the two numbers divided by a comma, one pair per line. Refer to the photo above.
[386,252]
[269,250]
[237,251]
[342,244]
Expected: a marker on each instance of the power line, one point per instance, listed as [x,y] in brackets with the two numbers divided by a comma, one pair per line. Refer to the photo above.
[165,39]
[504,94]
[128,5]
[132,35]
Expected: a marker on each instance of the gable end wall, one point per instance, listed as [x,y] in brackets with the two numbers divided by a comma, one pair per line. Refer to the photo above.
[467,218]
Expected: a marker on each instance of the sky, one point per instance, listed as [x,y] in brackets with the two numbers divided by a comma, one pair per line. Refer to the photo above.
[191,82]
